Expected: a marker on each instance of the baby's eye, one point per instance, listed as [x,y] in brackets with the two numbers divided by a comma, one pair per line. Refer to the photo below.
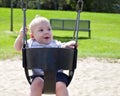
[41,30]
[49,29]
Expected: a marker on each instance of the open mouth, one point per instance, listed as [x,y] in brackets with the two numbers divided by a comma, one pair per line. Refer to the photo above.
[46,37]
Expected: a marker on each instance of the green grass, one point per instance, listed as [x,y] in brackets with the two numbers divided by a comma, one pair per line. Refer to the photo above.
[105,29]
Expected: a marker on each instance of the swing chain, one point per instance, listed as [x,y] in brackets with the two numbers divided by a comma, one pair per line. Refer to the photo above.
[79,6]
[24,4]
[24,7]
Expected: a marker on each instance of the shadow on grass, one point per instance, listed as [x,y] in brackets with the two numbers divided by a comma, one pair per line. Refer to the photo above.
[65,39]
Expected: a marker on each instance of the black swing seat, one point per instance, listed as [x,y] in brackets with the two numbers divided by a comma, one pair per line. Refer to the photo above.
[50,60]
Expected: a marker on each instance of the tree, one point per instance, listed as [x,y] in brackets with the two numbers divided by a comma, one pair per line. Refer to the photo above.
[5,3]
[103,5]
[89,5]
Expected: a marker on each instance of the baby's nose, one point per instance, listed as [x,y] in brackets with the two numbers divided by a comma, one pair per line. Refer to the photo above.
[47,31]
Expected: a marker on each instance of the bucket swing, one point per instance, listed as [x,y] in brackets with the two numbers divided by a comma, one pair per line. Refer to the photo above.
[50,59]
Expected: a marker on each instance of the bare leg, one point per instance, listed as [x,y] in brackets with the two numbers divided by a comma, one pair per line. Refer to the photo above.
[61,89]
[37,87]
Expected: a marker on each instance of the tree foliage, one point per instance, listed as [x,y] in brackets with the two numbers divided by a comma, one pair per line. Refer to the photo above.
[89,5]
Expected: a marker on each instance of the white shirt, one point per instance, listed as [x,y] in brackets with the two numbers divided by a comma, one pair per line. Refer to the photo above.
[53,44]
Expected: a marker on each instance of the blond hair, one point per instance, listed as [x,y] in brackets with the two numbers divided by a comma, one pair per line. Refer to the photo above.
[38,19]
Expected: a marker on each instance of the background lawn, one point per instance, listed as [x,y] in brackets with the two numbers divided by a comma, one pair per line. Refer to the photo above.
[105,32]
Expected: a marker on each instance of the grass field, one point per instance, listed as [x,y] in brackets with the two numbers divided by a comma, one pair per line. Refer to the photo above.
[105,29]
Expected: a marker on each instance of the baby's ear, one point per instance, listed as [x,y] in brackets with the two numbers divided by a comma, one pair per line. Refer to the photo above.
[31,35]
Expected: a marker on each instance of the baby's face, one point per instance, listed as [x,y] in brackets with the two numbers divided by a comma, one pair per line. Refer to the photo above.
[42,32]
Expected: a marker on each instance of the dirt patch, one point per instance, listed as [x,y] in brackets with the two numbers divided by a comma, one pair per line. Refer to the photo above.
[93,77]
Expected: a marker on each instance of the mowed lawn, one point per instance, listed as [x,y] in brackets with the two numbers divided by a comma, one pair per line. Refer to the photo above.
[105,32]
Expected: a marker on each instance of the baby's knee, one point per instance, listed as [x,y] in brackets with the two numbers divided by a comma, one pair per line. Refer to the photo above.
[38,82]
[60,86]
[37,87]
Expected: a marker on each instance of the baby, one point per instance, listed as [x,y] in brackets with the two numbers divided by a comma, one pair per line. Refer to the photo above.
[41,37]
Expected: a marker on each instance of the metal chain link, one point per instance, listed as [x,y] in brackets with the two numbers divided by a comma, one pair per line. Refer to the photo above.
[24,7]
[24,4]
[79,6]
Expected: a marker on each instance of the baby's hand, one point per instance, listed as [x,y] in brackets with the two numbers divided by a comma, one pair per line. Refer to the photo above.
[70,44]
[22,30]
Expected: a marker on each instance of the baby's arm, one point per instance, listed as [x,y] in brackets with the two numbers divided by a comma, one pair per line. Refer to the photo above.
[18,42]
[70,44]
